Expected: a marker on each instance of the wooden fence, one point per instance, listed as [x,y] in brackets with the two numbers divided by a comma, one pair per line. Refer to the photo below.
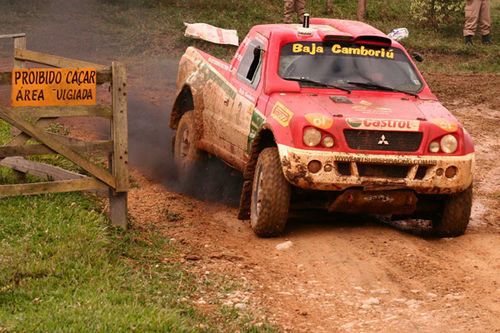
[110,174]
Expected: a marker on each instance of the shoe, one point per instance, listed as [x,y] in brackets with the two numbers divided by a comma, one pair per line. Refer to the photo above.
[486,39]
[468,40]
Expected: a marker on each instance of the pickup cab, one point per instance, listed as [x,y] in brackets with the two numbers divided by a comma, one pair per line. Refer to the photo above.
[332,116]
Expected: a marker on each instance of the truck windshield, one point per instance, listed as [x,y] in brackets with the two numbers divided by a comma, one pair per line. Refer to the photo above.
[348,65]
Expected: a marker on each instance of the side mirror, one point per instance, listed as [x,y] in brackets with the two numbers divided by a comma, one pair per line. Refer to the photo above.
[417,56]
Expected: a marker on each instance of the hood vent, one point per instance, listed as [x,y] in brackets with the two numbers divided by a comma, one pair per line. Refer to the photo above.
[341,99]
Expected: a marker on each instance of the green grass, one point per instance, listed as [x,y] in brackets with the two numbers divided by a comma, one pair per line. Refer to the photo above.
[158,28]
[64,270]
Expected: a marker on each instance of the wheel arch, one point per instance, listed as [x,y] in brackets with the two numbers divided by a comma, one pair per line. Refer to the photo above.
[184,102]
[264,139]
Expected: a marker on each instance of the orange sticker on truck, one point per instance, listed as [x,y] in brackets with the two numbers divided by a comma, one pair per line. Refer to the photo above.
[281,114]
[53,86]
[445,124]
[384,124]
[368,107]
[319,120]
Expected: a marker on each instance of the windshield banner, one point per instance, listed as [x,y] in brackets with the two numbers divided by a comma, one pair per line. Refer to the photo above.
[312,48]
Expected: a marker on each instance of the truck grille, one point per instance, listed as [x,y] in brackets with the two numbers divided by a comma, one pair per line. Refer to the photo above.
[383,140]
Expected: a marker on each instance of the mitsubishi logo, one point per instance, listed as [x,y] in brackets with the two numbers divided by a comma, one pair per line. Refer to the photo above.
[383,141]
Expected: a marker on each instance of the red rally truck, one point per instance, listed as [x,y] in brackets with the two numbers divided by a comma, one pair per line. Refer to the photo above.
[333,116]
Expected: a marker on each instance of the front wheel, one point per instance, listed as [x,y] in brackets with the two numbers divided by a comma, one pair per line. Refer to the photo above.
[270,195]
[453,217]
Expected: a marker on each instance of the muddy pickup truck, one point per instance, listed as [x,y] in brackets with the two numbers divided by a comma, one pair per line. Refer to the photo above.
[333,116]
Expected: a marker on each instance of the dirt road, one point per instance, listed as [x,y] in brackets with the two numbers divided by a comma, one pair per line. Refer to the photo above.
[351,274]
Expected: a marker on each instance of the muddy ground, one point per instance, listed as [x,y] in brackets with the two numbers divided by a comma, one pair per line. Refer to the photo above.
[342,274]
[352,274]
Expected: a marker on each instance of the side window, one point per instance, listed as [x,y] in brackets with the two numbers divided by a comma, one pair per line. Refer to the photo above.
[250,66]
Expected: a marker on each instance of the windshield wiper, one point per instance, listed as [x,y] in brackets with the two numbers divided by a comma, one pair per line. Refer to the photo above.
[381,87]
[319,83]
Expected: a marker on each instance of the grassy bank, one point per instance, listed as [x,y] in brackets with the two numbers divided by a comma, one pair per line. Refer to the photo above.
[64,270]
[159,28]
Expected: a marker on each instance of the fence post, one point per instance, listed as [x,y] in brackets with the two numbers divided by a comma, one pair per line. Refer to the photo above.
[19,43]
[28,121]
[119,135]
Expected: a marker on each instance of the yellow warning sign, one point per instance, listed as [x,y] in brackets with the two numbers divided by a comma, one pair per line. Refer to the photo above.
[53,86]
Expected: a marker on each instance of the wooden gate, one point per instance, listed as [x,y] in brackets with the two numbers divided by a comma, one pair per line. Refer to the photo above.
[32,137]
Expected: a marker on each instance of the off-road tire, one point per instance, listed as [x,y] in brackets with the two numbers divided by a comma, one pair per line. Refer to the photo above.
[453,218]
[187,156]
[270,195]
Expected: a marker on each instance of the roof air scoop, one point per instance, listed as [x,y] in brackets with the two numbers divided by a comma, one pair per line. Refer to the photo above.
[370,39]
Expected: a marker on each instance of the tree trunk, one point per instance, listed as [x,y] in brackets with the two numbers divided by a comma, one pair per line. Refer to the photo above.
[361,10]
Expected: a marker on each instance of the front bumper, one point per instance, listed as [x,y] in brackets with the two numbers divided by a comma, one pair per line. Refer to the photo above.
[339,171]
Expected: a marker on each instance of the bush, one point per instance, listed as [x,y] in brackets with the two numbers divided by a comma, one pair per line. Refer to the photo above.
[437,13]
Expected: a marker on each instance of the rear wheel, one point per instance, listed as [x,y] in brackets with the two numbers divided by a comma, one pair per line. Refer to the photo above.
[270,196]
[186,154]
[453,217]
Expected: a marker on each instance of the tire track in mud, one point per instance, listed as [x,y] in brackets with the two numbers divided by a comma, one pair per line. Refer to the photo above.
[365,277]
[345,274]
[354,274]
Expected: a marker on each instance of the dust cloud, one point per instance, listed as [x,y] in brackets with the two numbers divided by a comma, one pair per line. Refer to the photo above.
[81,30]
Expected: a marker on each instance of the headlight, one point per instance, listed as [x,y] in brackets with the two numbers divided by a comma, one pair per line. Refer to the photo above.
[312,137]
[449,144]
[328,141]
[434,147]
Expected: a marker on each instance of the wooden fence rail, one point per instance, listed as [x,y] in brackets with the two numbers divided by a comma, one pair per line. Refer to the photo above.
[32,137]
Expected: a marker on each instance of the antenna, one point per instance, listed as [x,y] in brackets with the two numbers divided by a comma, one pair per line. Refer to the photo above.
[304,30]
[305,23]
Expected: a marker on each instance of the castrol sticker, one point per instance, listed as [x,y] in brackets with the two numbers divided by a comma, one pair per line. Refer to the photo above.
[384,124]
[281,114]
[319,120]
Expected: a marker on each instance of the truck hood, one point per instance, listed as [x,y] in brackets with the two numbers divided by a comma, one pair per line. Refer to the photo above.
[397,112]
[366,105]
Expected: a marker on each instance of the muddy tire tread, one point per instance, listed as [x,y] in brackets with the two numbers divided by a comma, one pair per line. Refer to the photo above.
[275,196]
[193,158]
[455,215]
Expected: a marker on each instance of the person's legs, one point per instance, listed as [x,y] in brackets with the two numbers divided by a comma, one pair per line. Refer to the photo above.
[472,9]
[485,22]
[300,8]
[289,8]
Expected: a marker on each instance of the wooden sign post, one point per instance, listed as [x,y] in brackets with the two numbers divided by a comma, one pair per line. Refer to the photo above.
[67,88]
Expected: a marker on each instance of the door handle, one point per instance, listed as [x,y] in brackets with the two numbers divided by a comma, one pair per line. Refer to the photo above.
[226,101]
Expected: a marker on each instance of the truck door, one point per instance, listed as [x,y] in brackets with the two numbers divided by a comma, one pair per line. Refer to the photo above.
[218,97]
[248,78]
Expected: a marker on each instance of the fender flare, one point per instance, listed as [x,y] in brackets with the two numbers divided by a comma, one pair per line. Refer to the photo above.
[264,139]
